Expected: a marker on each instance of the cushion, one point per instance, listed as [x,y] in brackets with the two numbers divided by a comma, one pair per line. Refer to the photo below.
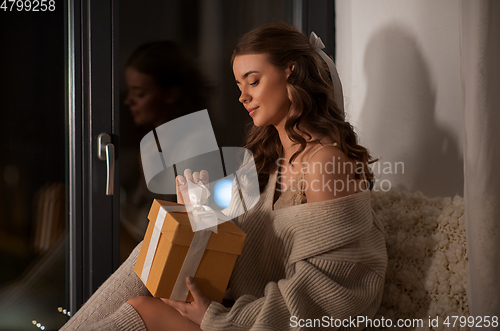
[427,265]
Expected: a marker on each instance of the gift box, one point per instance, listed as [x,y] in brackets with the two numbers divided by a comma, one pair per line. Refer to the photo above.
[161,268]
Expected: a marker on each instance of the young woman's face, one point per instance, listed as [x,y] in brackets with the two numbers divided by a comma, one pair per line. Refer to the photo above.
[263,89]
[147,100]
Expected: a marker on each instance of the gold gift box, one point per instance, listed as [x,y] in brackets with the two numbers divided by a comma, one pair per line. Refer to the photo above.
[216,266]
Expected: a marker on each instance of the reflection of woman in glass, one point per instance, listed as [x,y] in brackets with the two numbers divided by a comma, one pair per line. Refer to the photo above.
[163,83]
[314,248]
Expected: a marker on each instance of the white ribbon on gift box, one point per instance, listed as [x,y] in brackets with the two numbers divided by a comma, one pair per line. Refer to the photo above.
[203,220]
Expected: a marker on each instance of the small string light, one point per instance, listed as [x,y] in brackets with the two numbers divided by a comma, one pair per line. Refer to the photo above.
[38,325]
[59,309]
[64,311]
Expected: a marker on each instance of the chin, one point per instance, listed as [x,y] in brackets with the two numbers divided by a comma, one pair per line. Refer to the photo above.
[257,124]
[138,122]
[260,124]
[141,122]
[266,122]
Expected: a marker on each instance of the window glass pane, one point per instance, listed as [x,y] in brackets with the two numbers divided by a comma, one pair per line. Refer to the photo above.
[32,166]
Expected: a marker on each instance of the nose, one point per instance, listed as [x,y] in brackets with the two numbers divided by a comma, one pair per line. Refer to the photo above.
[244,97]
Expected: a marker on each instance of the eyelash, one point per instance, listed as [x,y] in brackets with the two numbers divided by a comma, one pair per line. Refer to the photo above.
[255,83]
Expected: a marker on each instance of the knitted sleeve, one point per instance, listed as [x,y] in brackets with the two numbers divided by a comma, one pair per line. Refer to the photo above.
[320,289]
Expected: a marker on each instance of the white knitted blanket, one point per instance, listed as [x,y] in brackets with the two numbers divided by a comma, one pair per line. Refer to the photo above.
[427,267]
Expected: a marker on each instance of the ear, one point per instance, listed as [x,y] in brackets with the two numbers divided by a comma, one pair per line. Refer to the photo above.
[290,68]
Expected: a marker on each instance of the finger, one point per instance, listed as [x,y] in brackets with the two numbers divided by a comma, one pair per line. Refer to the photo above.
[179,305]
[196,177]
[180,180]
[195,290]
[188,174]
[204,177]
[178,192]
[181,189]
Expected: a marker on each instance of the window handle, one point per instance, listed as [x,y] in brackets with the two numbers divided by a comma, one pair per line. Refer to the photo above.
[106,152]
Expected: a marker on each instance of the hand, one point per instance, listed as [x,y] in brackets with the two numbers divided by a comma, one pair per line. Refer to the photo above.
[192,310]
[182,186]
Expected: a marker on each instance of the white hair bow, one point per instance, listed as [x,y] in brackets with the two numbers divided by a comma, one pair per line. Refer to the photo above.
[338,95]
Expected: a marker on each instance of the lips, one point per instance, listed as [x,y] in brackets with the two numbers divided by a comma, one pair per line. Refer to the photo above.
[251,111]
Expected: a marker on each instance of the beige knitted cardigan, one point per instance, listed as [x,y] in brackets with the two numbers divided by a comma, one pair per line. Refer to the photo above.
[310,260]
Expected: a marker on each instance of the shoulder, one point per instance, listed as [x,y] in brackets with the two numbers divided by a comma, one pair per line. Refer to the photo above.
[327,174]
[325,153]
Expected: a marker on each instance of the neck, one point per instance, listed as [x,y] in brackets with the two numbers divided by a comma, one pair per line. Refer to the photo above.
[288,148]
[286,142]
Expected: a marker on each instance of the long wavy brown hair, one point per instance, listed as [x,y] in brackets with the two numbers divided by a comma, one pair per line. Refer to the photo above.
[313,109]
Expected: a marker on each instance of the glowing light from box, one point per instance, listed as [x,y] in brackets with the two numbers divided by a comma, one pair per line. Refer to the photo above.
[222,192]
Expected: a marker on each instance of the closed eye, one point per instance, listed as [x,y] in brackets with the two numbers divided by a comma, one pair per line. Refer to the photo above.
[255,83]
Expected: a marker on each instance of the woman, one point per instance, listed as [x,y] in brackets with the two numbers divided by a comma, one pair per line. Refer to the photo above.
[314,250]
